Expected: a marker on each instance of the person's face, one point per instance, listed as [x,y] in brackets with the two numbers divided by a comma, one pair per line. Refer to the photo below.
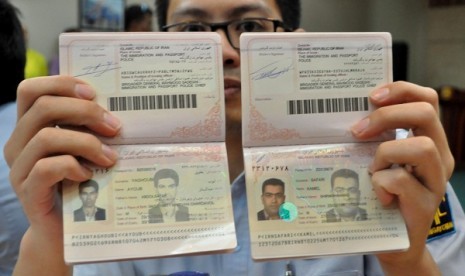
[210,11]
[347,195]
[166,190]
[272,198]
[88,197]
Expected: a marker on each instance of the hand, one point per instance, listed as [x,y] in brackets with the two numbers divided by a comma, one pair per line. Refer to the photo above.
[425,162]
[41,155]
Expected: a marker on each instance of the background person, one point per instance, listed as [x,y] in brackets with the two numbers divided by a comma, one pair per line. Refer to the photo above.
[166,183]
[346,197]
[272,198]
[138,18]
[88,193]
[13,222]
[40,156]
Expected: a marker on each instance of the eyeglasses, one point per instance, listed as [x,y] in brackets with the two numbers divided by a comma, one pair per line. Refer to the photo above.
[232,28]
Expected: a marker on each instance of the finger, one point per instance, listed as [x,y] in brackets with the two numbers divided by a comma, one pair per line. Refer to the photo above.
[413,199]
[417,205]
[39,200]
[404,92]
[50,111]
[421,157]
[30,90]
[420,117]
[416,107]
[55,142]
[395,182]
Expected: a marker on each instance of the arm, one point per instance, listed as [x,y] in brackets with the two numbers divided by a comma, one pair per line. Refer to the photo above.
[426,163]
[41,156]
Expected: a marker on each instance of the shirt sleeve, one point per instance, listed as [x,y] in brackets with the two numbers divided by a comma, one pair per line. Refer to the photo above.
[449,250]
[13,221]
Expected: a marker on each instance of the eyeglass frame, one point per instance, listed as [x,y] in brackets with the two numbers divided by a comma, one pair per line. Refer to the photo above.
[224,26]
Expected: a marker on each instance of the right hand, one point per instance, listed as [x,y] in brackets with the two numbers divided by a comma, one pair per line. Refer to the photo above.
[48,146]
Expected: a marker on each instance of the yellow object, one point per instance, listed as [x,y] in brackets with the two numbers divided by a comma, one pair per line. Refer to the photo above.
[446,93]
[36,64]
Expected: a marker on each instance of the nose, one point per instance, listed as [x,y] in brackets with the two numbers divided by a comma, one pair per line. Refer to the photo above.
[231,57]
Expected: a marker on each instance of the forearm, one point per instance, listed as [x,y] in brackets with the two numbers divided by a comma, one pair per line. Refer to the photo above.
[40,255]
[422,264]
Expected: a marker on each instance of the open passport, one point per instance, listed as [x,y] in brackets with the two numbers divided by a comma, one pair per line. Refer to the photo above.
[168,93]
[301,93]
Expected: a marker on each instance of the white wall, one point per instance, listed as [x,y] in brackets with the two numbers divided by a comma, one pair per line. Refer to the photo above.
[45,19]
[406,20]
[446,47]
[335,15]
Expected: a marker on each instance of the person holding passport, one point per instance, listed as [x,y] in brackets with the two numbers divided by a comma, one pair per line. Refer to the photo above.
[412,172]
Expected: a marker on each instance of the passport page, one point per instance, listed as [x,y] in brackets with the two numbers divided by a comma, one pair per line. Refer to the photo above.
[308,187]
[169,193]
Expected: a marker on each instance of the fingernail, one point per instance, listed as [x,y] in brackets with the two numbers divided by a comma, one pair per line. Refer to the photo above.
[370,169]
[360,126]
[111,120]
[84,91]
[380,94]
[109,152]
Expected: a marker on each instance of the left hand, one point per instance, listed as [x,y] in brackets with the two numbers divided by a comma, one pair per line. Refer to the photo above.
[425,162]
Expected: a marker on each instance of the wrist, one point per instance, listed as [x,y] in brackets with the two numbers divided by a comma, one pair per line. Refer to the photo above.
[41,255]
[409,263]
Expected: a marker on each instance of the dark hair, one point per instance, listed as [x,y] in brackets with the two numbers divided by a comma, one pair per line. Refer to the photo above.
[161,11]
[88,183]
[135,13]
[272,182]
[290,11]
[345,173]
[165,173]
[12,51]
